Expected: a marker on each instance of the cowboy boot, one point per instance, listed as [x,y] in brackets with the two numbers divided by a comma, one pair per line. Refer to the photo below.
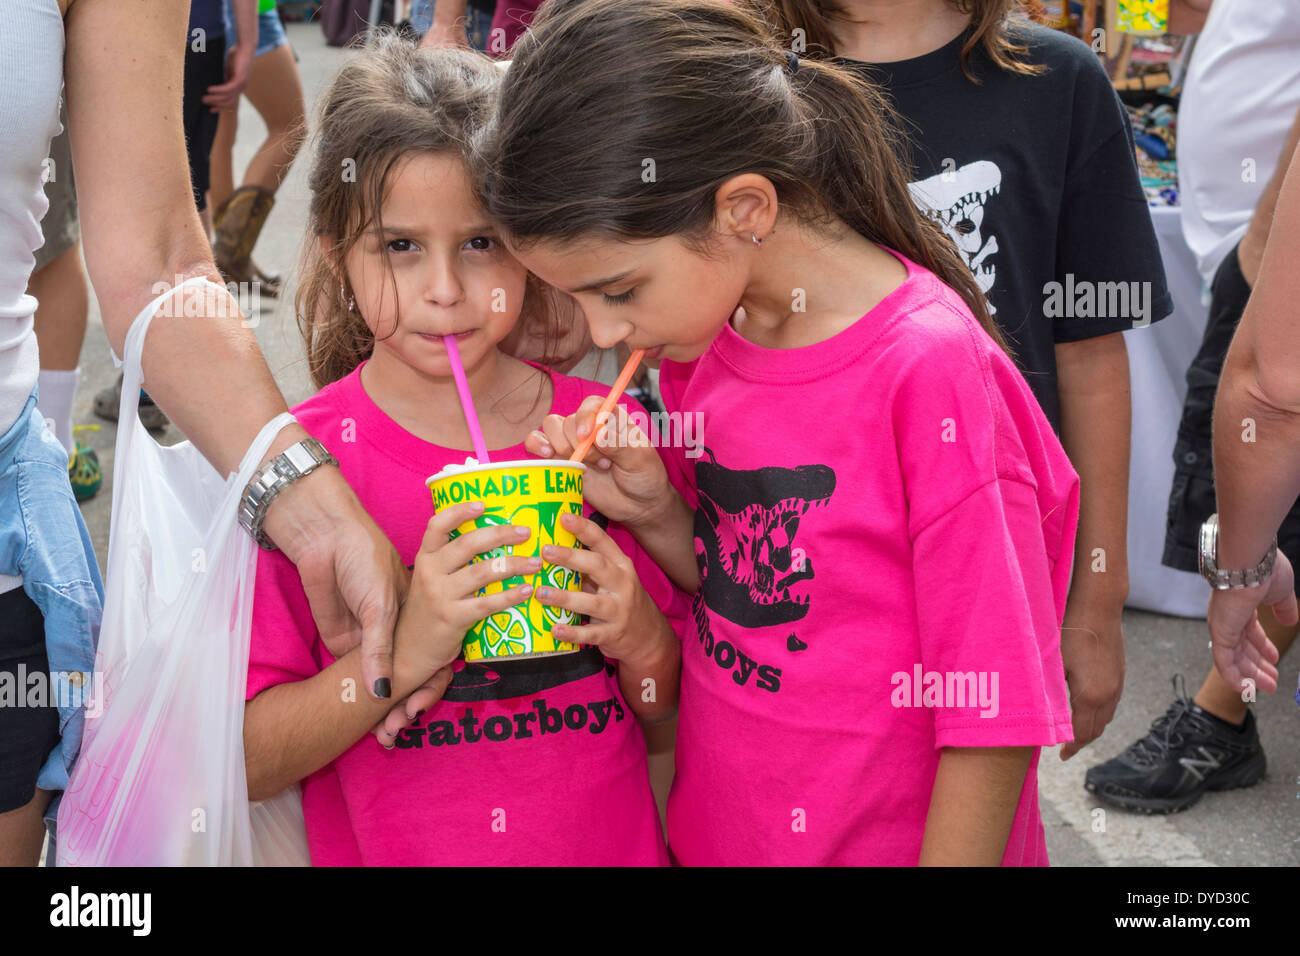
[237,223]
[270,283]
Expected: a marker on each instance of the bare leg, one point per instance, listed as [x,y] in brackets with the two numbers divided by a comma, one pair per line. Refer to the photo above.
[1223,701]
[275,90]
[60,319]
[221,166]
[205,217]
[22,832]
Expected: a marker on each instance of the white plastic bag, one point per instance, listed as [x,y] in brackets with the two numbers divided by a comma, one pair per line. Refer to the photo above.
[160,780]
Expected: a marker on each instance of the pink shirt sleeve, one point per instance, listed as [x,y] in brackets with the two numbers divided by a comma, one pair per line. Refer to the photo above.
[284,633]
[993,505]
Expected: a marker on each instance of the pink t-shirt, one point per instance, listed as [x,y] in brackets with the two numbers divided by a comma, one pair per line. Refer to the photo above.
[885,528]
[537,762]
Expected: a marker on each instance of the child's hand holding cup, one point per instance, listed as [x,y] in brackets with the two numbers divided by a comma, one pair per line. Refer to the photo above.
[626,480]
[443,602]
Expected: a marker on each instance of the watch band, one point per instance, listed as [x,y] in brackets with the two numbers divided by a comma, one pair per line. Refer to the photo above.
[1224,580]
[297,461]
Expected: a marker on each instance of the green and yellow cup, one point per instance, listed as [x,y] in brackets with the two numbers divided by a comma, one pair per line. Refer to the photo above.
[1143,17]
[533,494]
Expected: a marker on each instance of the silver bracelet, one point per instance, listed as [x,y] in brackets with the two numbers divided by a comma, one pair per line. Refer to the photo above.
[297,461]
[1222,579]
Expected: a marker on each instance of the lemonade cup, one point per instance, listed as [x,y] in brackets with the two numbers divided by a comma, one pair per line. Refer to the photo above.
[532,494]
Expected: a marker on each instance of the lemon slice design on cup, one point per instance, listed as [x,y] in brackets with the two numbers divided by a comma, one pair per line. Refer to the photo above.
[533,494]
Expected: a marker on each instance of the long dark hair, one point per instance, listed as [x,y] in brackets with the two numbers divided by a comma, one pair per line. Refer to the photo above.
[703,88]
[989,21]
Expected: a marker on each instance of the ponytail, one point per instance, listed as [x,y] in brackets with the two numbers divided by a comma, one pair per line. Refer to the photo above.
[700,91]
[860,179]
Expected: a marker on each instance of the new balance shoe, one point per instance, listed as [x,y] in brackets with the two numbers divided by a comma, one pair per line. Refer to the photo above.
[1187,752]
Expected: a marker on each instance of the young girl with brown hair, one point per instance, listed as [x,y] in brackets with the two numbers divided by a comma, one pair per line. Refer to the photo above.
[878,533]
[527,761]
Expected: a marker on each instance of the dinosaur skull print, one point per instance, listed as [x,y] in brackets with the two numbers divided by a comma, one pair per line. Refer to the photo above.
[956,199]
[745,529]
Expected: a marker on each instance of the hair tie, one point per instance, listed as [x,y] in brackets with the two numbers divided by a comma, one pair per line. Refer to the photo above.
[792,61]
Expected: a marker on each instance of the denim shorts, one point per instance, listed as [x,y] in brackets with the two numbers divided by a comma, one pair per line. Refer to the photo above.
[270,31]
[44,539]
[1192,498]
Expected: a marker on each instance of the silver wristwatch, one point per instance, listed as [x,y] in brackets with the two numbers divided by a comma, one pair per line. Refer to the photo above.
[1222,580]
[296,461]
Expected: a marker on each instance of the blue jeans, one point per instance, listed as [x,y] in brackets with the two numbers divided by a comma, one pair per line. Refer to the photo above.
[44,539]
[478,23]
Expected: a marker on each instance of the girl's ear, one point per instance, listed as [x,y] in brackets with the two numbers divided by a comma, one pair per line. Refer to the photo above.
[745,206]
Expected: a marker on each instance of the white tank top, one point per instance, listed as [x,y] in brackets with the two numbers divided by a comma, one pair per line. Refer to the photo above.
[31,75]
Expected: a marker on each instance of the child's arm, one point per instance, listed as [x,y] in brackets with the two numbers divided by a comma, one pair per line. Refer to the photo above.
[293,729]
[627,482]
[625,623]
[973,804]
[1093,383]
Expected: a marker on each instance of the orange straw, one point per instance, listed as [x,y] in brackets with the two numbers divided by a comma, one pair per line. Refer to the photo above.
[608,404]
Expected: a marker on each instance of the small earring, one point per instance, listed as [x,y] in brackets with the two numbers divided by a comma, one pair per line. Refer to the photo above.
[757,241]
[349,301]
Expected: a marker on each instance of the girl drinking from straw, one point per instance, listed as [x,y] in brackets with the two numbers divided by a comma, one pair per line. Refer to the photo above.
[882,519]
[1020,148]
[537,761]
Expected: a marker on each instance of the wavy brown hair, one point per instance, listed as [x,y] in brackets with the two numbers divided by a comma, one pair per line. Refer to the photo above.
[705,89]
[990,20]
[388,101]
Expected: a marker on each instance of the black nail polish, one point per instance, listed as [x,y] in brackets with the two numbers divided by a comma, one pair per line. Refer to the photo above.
[383,688]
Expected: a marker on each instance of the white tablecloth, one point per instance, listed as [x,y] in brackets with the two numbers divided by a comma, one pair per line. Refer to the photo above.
[1158,359]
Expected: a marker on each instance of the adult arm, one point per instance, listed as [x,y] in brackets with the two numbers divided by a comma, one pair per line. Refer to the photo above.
[239,58]
[1250,252]
[140,227]
[448,27]
[1257,451]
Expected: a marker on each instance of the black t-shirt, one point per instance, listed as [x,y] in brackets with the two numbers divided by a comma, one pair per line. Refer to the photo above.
[1034,178]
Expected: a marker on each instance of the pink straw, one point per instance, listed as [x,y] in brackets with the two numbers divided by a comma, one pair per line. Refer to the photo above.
[466,400]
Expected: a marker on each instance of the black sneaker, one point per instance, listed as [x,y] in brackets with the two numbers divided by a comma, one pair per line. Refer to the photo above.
[1187,752]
